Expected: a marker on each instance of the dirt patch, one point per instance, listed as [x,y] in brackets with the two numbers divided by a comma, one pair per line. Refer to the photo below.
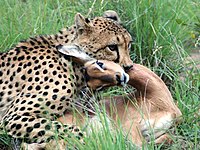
[192,64]
[195,57]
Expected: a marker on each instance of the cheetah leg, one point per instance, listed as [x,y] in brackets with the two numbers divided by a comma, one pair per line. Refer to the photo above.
[34,146]
[53,145]
[40,130]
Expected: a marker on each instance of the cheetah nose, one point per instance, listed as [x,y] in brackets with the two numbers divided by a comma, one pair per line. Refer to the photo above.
[127,68]
[122,79]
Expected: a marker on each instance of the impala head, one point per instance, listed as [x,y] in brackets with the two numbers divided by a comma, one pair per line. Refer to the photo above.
[98,73]
[104,73]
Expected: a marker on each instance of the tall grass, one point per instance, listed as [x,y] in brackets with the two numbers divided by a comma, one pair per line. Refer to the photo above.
[163,32]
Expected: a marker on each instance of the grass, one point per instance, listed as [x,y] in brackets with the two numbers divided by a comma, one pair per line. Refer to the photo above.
[164,34]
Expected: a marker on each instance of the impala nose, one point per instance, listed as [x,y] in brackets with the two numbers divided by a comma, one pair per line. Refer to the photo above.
[125,78]
[122,78]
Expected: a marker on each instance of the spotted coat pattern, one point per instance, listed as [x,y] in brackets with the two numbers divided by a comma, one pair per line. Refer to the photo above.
[38,84]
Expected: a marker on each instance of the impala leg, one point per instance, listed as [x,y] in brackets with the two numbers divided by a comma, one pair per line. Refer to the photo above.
[156,126]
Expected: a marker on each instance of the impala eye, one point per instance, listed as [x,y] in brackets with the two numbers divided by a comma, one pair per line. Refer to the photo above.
[100,64]
[113,47]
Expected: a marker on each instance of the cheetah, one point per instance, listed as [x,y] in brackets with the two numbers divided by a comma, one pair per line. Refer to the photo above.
[39,82]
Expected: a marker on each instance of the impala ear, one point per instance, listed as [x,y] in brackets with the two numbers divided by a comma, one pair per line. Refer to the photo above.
[74,51]
[81,24]
[111,14]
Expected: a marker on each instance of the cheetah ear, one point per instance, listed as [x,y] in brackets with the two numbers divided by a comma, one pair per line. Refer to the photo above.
[111,14]
[74,50]
[81,24]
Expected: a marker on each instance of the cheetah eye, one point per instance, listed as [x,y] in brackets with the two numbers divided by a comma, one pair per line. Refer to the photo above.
[113,47]
[100,64]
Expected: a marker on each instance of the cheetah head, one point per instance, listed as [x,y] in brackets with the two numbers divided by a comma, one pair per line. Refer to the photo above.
[104,38]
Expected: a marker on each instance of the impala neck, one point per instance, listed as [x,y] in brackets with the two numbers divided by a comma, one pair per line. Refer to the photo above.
[150,86]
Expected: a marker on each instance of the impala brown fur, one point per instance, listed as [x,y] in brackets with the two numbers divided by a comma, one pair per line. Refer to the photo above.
[145,114]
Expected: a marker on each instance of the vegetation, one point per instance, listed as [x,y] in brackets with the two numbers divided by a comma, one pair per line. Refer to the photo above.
[164,33]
